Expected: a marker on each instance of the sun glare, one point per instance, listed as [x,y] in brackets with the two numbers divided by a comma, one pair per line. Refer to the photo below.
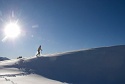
[12,30]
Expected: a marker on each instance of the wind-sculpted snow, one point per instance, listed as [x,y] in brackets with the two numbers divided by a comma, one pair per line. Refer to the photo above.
[105,65]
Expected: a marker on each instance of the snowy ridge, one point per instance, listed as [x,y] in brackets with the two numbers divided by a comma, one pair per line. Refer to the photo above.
[104,65]
[3,58]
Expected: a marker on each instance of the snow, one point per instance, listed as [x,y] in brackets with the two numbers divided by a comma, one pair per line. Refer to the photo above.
[27,79]
[104,65]
[11,75]
[3,58]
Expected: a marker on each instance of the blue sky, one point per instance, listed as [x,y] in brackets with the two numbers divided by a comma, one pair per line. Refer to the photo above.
[62,25]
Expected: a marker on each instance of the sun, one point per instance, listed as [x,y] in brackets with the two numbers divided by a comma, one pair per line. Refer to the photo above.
[12,30]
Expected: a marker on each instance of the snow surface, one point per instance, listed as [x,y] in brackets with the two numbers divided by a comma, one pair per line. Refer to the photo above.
[105,65]
[11,75]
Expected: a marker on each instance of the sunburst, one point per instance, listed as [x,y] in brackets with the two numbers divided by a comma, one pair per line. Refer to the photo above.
[12,30]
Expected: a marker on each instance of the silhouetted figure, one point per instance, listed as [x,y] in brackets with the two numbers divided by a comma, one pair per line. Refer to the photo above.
[39,49]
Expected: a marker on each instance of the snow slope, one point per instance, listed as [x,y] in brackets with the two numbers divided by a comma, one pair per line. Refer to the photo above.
[105,65]
[9,74]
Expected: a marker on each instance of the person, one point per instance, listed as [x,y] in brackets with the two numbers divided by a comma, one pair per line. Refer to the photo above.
[39,49]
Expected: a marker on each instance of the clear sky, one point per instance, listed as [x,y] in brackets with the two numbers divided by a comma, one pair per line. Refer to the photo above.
[62,25]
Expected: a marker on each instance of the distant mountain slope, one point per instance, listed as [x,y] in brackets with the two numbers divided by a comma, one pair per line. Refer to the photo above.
[3,58]
[105,65]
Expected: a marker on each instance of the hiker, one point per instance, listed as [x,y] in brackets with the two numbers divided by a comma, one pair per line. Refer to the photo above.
[38,51]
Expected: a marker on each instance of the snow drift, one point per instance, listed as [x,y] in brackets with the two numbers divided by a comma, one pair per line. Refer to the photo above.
[105,65]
